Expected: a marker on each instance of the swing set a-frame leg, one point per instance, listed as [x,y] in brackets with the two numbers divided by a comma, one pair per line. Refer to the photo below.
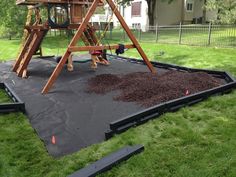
[80,31]
[130,35]
[76,37]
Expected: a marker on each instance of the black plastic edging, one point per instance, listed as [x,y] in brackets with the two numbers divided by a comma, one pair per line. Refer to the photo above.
[2,85]
[231,78]
[17,105]
[124,124]
[108,162]
[223,74]
[141,117]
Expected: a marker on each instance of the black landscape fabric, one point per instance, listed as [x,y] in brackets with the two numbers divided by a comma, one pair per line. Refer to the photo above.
[70,117]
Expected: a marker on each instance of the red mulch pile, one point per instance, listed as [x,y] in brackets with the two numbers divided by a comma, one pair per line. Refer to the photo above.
[149,89]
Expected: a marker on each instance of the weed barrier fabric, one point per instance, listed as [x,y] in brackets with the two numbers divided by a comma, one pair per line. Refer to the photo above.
[69,118]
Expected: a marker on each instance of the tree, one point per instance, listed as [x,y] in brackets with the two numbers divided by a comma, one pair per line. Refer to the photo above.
[204,12]
[226,10]
[151,10]
[12,17]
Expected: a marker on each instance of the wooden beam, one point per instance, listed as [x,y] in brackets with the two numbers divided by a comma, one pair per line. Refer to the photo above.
[90,48]
[36,27]
[130,34]
[75,39]
[46,27]
[72,46]
[34,2]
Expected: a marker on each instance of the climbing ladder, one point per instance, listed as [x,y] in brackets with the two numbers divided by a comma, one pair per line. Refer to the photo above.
[31,46]
[89,37]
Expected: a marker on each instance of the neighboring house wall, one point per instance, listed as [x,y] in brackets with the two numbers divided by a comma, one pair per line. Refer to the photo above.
[168,13]
[177,11]
[141,20]
[98,18]
[188,14]
[198,8]
[134,21]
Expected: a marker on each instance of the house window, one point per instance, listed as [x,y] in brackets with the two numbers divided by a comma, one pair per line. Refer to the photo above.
[136,25]
[136,8]
[189,6]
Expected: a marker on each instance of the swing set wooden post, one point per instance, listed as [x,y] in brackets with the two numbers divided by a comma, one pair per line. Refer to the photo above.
[81,32]
[78,35]
[73,42]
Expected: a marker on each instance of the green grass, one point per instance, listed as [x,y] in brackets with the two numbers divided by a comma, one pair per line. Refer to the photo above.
[198,57]
[8,49]
[51,46]
[4,98]
[195,141]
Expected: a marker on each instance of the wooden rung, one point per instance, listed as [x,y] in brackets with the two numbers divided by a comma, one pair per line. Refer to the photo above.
[85,40]
[92,34]
[24,50]
[37,39]
[22,66]
[36,28]
[89,37]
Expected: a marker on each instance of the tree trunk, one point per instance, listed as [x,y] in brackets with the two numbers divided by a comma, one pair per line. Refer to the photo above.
[182,12]
[204,13]
[151,11]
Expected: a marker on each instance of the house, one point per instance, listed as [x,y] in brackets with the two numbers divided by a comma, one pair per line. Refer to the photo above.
[185,11]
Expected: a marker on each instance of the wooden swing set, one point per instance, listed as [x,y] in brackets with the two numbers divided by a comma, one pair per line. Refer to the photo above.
[67,14]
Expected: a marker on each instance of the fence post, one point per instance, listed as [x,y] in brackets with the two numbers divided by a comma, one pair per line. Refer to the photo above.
[99,29]
[139,34]
[124,33]
[156,33]
[180,32]
[110,28]
[209,34]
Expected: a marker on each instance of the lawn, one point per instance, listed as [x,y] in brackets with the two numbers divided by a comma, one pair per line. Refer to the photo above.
[4,98]
[195,141]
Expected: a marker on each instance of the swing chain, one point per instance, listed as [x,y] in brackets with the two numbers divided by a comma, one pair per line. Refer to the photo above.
[103,35]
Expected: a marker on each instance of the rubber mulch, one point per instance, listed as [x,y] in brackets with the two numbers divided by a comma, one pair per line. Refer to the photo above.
[149,89]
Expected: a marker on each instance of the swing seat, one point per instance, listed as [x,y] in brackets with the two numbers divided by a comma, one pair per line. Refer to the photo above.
[96,52]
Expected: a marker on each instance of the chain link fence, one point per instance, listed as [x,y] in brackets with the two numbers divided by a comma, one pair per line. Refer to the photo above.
[197,35]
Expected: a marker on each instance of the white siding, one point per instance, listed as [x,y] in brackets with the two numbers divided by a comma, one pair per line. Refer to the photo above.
[165,14]
[142,20]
